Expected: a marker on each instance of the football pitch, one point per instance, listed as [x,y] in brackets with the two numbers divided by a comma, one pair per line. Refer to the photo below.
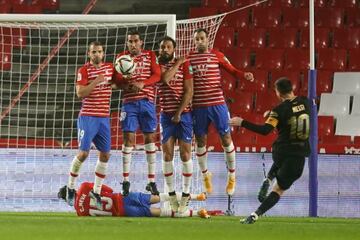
[68,226]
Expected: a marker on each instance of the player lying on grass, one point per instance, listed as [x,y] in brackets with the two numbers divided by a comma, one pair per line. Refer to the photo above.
[291,118]
[135,204]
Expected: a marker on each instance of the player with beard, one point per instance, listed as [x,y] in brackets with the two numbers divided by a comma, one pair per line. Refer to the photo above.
[175,93]
[209,105]
[93,86]
[138,108]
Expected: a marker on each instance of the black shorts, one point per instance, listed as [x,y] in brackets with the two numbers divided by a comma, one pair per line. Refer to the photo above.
[289,169]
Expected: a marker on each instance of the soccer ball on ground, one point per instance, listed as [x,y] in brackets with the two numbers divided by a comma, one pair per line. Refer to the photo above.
[125,65]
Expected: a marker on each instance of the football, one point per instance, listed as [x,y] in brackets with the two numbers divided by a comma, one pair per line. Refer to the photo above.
[125,65]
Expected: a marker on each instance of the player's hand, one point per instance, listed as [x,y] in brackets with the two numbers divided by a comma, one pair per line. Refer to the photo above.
[249,76]
[236,121]
[180,60]
[176,118]
[99,79]
[136,86]
[127,77]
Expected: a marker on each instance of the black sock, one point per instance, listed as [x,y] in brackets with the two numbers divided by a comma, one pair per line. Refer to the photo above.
[268,203]
[172,193]
[185,194]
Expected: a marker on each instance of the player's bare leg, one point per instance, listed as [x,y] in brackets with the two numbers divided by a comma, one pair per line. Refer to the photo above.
[74,173]
[269,202]
[229,152]
[201,153]
[129,141]
[150,149]
[168,170]
[187,170]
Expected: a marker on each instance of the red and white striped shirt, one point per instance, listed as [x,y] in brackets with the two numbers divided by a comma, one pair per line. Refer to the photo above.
[207,78]
[97,104]
[147,70]
[171,94]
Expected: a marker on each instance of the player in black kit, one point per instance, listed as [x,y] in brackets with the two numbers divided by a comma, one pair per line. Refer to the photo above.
[291,118]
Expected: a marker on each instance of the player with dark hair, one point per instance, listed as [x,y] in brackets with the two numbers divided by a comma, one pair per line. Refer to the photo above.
[209,105]
[135,204]
[175,93]
[138,108]
[93,86]
[292,120]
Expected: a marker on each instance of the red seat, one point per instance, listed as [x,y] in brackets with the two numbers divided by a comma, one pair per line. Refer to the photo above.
[258,85]
[196,12]
[240,102]
[22,6]
[5,6]
[281,3]
[265,101]
[346,38]
[296,17]
[269,59]
[317,3]
[353,17]
[357,140]
[354,60]
[243,136]
[229,82]
[324,82]
[251,38]
[297,59]
[253,117]
[244,3]
[326,126]
[51,5]
[335,140]
[283,38]
[343,3]
[266,140]
[224,38]
[332,59]
[329,17]
[239,19]
[322,39]
[216,3]
[240,58]
[266,17]
[15,36]
[293,76]
[5,57]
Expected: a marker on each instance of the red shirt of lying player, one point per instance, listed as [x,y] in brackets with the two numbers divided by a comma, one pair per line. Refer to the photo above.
[112,202]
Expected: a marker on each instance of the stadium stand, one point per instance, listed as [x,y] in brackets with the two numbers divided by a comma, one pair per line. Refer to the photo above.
[269,59]
[346,39]
[332,59]
[355,110]
[251,38]
[266,17]
[348,126]
[283,38]
[322,38]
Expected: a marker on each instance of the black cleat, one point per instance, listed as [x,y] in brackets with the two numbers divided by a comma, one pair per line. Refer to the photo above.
[125,188]
[97,198]
[263,190]
[250,219]
[151,187]
[68,195]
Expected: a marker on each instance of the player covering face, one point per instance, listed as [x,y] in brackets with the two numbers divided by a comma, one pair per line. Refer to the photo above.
[291,118]
[175,93]
[135,204]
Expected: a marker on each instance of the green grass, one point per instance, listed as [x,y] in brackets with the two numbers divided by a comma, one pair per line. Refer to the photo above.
[67,226]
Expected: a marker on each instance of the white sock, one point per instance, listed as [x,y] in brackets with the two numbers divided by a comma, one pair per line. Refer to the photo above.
[150,149]
[187,170]
[164,197]
[229,153]
[168,170]
[201,154]
[100,173]
[166,212]
[126,161]
[74,172]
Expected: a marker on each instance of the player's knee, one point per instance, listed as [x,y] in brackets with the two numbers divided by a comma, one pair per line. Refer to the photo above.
[168,157]
[226,140]
[185,156]
[104,157]
[276,188]
[129,139]
[201,141]
[82,156]
[149,138]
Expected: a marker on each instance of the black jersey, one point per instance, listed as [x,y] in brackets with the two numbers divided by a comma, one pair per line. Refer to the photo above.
[292,120]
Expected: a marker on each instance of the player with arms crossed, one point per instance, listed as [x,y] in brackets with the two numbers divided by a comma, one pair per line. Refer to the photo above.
[138,108]
[93,86]
[175,93]
[209,105]
[135,204]
[291,118]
